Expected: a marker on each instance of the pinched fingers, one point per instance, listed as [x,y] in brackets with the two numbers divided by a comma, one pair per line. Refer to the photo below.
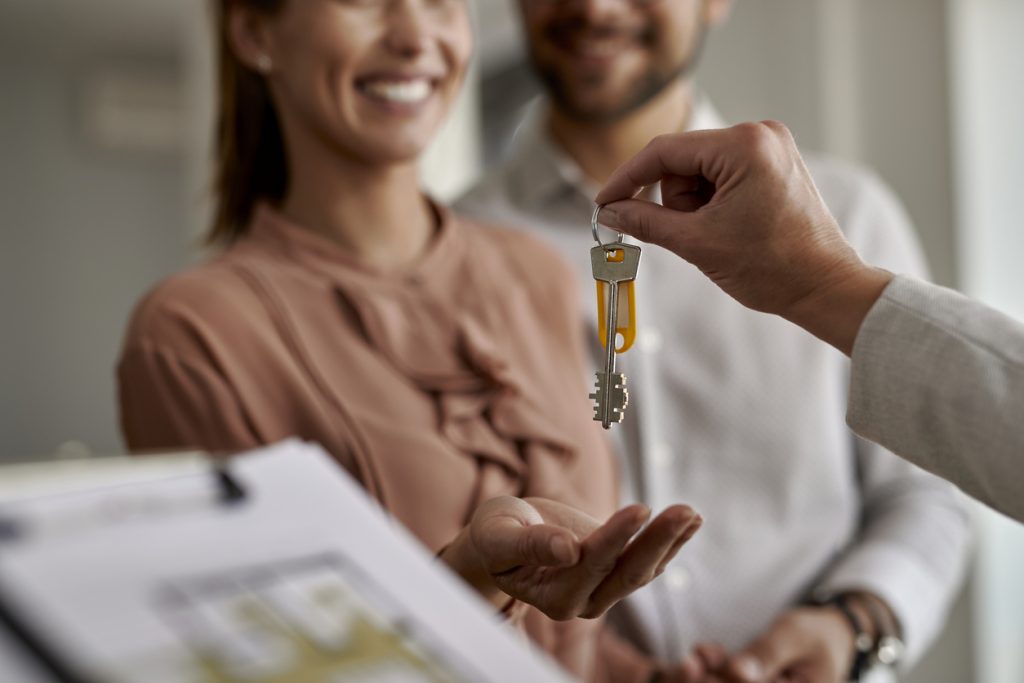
[644,557]
[678,154]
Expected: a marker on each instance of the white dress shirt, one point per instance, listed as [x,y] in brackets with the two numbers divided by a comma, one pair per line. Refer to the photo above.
[939,379]
[741,415]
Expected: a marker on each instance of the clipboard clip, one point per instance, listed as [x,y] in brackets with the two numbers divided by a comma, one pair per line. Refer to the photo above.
[230,491]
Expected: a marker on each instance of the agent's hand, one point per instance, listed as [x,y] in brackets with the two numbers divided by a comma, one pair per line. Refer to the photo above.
[741,206]
[805,645]
[562,561]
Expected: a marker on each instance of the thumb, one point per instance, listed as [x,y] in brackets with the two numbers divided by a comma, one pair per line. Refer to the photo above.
[650,222]
[764,659]
[505,543]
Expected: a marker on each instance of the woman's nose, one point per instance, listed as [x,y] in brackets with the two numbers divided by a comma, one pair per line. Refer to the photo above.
[409,27]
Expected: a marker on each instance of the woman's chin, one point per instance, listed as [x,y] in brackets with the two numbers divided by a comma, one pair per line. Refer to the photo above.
[395,146]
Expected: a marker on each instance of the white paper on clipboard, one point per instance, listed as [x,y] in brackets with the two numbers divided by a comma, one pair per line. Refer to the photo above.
[304,581]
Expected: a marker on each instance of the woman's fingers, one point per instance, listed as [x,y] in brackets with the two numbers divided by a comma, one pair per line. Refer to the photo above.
[507,541]
[683,539]
[602,548]
[638,564]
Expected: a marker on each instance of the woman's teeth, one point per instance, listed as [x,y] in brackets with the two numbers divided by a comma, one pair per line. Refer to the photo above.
[400,92]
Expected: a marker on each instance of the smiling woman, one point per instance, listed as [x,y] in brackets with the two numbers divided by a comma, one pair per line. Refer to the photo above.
[335,76]
[349,309]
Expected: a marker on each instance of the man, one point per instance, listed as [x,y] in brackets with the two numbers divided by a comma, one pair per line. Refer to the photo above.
[935,376]
[738,414]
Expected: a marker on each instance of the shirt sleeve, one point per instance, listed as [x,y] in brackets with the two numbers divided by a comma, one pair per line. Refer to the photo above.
[912,544]
[170,402]
[963,422]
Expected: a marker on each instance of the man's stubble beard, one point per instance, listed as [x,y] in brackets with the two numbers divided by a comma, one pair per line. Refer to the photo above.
[648,87]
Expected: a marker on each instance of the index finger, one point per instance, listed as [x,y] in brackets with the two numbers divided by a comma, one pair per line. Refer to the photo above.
[678,154]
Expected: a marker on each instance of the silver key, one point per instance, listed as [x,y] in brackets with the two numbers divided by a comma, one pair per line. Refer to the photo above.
[611,396]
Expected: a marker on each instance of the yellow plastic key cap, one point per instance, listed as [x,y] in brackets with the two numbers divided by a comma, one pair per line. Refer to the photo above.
[625,325]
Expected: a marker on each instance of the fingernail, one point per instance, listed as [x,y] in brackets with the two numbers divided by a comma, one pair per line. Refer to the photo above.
[749,667]
[562,551]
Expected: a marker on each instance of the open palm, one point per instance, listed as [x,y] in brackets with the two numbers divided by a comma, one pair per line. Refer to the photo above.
[568,564]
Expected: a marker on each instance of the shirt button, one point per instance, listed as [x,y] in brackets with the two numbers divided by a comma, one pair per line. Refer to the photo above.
[651,340]
[678,579]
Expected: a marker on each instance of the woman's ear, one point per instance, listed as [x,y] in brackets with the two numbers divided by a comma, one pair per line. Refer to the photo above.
[716,11]
[249,38]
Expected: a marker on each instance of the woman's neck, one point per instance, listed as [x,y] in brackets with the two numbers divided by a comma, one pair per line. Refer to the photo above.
[375,211]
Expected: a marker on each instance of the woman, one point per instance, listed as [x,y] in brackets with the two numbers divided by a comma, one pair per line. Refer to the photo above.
[436,359]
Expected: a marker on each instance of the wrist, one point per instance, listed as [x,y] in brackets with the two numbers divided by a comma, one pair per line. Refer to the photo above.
[835,311]
[848,633]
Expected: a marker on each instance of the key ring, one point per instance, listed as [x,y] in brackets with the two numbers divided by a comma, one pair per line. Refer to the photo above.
[594,227]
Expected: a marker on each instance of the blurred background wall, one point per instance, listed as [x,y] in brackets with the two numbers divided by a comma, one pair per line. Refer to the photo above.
[105,131]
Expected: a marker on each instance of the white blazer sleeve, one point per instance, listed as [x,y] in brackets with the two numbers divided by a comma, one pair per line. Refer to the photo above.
[939,379]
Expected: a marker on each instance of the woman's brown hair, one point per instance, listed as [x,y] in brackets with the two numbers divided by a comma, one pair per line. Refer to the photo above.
[250,163]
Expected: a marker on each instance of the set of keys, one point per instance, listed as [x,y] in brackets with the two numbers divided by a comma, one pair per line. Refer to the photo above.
[615,267]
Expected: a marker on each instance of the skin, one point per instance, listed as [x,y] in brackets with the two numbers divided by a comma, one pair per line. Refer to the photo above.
[741,206]
[352,153]
[617,72]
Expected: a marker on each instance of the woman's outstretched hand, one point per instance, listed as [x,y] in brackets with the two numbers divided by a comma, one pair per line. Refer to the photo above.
[562,561]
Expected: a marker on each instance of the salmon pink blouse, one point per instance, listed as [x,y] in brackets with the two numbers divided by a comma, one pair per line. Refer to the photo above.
[437,386]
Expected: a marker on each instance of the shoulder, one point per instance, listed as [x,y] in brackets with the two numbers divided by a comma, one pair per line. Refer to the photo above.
[185,309]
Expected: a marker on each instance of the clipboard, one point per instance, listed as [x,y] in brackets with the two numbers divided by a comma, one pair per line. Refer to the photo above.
[274,567]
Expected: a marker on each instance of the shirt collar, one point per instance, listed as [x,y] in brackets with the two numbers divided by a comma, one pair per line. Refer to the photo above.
[271,232]
[541,170]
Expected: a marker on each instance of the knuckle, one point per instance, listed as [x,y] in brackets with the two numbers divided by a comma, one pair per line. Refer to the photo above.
[747,133]
[758,138]
[776,127]
[660,140]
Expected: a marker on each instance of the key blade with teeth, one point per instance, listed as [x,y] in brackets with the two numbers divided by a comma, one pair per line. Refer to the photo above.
[611,397]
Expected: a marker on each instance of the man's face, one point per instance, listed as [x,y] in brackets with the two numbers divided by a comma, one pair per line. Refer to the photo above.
[603,59]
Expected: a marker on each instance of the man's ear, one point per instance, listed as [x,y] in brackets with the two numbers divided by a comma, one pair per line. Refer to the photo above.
[249,37]
[716,12]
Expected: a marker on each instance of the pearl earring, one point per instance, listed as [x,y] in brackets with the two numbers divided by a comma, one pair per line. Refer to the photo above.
[264,64]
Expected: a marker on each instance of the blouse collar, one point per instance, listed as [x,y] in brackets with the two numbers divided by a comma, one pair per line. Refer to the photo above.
[272,229]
